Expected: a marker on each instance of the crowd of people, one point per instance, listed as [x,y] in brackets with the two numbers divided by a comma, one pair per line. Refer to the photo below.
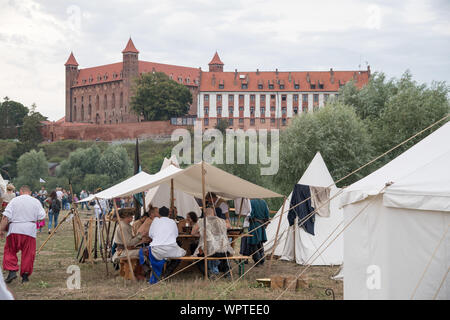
[153,239]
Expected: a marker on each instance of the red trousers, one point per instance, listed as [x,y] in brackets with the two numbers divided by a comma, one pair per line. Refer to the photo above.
[15,243]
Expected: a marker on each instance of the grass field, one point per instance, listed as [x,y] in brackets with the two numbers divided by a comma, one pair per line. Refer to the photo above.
[48,280]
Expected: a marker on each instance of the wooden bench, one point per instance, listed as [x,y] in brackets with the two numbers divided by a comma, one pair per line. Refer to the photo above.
[241,259]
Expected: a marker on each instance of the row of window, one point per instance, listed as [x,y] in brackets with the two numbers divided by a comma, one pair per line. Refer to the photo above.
[105,101]
[252,121]
[281,86]
[262,97]
[262,110]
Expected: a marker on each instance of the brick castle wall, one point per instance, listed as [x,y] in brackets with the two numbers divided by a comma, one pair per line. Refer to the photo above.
[108,132]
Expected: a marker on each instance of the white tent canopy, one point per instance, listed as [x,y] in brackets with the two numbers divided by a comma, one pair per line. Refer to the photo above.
[189,180]
[302,248]
[3,184]
[400,243]
[160,196]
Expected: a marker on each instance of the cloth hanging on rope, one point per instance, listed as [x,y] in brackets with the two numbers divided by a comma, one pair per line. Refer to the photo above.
[300,193]
[320,200]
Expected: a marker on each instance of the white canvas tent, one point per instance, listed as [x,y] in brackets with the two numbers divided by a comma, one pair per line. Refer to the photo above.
[305,245]
[3,184]
[399,246]
[189,180]
[160,196]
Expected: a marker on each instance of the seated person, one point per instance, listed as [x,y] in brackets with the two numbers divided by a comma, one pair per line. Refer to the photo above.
[126,216]
[188,222]
[164,232]
[217,241]
[144,228]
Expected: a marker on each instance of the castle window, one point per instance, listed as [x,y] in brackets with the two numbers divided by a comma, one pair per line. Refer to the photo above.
[252,110]
[252,121]
[206,111]
[244,86]
[283,97]
[283,121]
[188,80]
[230,110]
[305,98]
[219,97]
[252,97]
[320,85]
[230,121]
[231,98]
[97,103]
[206,121]
[316,98]
[121,100]
[296,86]
[281,86]
[221,86]
[313,86]
[295,97]
[180,79]
[98,78]
[262,97]
[283,110]
[296,110]
[263,110]
[113,100]
[271,86]
[206,97]
[105,77]
[241,108]
[326,96]
[82,99]
[262,120]
[260,86]
[105,102]
[219,111]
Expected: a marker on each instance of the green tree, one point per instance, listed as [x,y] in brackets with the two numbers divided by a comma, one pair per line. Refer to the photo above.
[12,114]
[157,97]
[412,108]
[336,131]
[222,125]
[31,166]
[30,132]
[115,163]
[370,100]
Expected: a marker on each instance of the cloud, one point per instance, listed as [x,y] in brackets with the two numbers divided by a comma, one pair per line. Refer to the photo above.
[37,37]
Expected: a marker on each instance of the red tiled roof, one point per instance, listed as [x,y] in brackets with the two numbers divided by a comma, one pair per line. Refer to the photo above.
[172,71]
[130,47]
[71,61]
[216,59]
[232,83]
[113,72]
[96,75]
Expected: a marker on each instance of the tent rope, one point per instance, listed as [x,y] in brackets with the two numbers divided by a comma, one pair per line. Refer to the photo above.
[442,282]
[308,265]
[429,263]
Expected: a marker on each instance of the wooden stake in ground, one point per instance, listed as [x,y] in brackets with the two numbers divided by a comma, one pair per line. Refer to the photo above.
[104,255]
[124,241]
[91,226]
[53,232]
[276,235]
[172,200]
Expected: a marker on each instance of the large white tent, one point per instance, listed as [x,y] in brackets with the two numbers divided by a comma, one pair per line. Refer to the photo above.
[189,180]
[160,196]
[299,245]
[399,245]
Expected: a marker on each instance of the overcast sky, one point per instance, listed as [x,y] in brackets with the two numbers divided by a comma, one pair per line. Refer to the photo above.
[36,38]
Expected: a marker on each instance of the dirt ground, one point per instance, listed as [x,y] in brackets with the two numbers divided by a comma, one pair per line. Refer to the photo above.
[49,278]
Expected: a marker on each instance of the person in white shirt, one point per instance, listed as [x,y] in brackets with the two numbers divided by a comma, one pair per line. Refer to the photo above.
[164,232]
[19,219]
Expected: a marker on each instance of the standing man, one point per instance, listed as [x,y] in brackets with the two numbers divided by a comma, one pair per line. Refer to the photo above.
[19,219]
[84,195]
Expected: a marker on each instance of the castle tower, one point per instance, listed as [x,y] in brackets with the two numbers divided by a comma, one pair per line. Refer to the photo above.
[130,71]
[216,65]
[71,75]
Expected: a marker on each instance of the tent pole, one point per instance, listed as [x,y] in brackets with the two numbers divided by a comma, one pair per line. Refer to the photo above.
[276,235]
[239,214]
[205,248]
[124,241]
[171,199]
